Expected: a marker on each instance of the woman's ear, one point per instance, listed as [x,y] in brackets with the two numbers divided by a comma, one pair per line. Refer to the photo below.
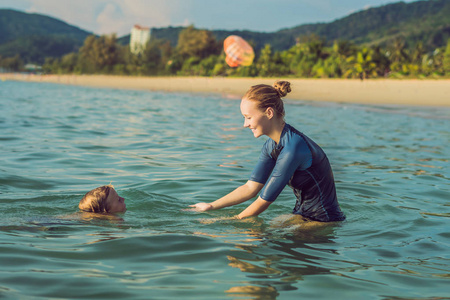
[270,112]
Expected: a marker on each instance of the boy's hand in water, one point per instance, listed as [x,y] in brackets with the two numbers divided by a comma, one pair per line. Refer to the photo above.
[202,206]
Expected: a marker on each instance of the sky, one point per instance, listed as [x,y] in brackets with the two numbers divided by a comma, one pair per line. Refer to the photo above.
[119,16]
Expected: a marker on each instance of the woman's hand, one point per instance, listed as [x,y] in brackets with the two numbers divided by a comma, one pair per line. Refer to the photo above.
[202,206]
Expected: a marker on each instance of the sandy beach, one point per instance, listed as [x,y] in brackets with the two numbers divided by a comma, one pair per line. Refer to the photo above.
[414,92]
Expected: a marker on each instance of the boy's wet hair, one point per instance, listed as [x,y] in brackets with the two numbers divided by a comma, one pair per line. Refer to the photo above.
[95,200]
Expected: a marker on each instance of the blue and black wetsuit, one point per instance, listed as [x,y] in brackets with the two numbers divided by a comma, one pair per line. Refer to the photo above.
[300,163]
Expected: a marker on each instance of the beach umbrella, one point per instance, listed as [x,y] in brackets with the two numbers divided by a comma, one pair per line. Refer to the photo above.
[238,51]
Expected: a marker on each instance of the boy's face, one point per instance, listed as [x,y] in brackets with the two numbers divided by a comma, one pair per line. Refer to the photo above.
[115,203]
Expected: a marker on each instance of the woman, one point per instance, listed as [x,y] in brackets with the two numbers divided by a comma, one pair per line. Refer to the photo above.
[288,158]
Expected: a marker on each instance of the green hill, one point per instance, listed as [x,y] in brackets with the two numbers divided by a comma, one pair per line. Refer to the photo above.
[425,21]
[35,36]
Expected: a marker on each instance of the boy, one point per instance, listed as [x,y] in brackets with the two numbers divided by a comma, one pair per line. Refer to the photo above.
[103,199]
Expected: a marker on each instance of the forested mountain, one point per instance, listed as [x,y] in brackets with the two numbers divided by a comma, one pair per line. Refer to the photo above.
[35,36]
[426,21]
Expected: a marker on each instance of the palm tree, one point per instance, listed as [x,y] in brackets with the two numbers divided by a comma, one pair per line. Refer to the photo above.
[361,64]
[446,61]
[398,55]
[418,52]
[344,48]
[265,61]
[399,52]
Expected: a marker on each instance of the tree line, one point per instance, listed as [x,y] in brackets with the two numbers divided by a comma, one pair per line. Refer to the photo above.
[198,53]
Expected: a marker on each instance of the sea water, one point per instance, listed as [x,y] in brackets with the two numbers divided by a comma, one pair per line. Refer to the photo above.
[165,151]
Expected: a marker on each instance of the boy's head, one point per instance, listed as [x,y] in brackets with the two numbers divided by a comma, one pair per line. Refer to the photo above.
[103,199]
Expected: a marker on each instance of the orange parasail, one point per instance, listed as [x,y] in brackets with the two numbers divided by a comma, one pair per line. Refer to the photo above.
[238,51]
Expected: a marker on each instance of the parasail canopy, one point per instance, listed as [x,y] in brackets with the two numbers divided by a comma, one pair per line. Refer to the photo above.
[238,51]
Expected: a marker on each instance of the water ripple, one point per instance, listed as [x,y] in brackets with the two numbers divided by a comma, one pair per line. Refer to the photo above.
[164,151]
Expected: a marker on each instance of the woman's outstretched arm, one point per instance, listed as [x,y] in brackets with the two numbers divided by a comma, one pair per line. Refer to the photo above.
[243,193]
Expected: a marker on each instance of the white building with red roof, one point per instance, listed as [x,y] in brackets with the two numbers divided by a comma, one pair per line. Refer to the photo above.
[139,39]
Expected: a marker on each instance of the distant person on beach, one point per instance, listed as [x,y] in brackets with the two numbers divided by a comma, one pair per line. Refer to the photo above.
[287,158]
[103,199]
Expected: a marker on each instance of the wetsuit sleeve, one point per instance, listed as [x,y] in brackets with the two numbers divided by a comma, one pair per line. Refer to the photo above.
[296,155]
[264,166]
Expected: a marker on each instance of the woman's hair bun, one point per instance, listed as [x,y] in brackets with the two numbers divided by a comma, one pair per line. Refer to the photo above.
[282,87]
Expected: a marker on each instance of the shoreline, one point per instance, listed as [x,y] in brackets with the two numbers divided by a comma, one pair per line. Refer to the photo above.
[412,92]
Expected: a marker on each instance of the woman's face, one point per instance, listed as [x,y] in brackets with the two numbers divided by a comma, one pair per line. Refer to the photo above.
[115,203]
[255,119]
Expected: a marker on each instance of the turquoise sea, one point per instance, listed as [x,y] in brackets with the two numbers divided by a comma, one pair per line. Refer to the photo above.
[165,151]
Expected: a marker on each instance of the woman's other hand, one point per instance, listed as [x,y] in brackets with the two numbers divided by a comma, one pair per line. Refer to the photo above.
[202,206]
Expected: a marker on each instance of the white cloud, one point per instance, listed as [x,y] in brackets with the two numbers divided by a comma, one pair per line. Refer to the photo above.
[119,16]
[110,19]
[78,13]
[111,16]
[152,13]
